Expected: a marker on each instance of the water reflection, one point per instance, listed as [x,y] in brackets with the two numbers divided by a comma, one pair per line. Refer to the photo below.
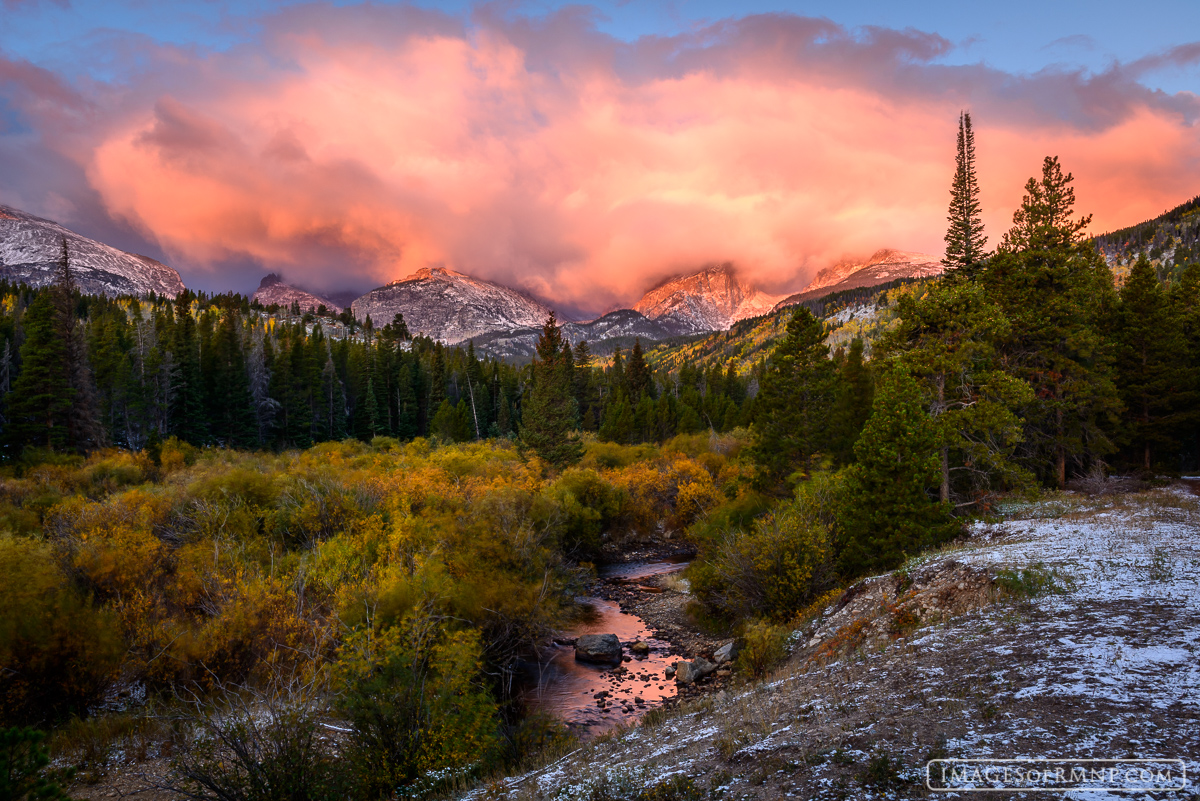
[571,690]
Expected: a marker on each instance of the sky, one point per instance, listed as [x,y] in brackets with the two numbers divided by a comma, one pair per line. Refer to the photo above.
[581,152]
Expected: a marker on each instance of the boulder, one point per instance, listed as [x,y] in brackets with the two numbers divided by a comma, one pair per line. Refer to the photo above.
[726,653]
[605,648]
[688,672]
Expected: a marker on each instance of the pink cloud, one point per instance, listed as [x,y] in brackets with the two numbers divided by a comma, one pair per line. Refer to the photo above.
[358,145]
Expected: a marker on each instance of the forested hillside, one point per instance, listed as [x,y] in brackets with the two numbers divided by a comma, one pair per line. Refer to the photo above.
[1170,241]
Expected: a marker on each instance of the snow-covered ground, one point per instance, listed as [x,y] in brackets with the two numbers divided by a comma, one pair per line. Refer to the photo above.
[1100,662]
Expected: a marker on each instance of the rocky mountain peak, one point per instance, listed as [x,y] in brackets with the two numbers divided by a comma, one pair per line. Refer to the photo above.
[272,291]
[710,299]
[30,247]
[450,306]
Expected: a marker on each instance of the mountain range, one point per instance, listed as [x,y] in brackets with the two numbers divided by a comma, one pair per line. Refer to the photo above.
[453,307]
[30,248]
[272,291]
[884,266]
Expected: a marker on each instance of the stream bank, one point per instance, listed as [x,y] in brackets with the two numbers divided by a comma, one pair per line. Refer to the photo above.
[641,600]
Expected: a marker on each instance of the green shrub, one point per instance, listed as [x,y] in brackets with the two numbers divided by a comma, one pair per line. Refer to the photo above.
[590,505]
[420,719]
[23,768]
[1030,582]
[776,567]
[58,652]
[765,646]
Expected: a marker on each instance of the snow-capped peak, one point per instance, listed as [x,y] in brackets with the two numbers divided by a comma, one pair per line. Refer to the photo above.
[30,248]
[711,299]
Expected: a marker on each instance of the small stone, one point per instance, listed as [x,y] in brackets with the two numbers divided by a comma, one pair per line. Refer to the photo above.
[669,673]
[639,648]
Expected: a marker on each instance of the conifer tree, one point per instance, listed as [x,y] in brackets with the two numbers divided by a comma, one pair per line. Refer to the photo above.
[187,405]
[946,340]
[548,414]
[791,424]
[84,430]
[889,511]
[1153,375]
[852,406]
[965,240]
[637,373]
[1056,292]
[1043,222]
[41,397]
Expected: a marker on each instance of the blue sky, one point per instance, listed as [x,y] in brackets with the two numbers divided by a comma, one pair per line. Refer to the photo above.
[1019,36]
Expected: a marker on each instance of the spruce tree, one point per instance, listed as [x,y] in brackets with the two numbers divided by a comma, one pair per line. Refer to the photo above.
[791,422]
[41,397]
[965,240]
[1056,292]
[187,404]
[84,429]
[548,414]
[852,406]
[637,373]
[890,511]
[1153,375]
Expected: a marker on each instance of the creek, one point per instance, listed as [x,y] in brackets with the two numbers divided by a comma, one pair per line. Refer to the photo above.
[568,689]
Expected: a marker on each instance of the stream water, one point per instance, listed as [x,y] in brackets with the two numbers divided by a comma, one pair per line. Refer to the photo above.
[567,689]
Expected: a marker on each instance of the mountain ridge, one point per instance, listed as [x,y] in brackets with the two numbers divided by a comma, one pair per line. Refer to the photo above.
[30,247]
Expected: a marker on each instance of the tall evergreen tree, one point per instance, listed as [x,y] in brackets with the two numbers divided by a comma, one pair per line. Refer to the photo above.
[791,423]
[1154,378]
[852,406]
[1044,220]
[548,414]
[965,241]
[187,404]
[40,402]
[947,341]
[637,373]
[890,511]
[1056,291]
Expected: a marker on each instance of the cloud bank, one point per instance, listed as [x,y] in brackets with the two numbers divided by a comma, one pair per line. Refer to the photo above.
[353,146]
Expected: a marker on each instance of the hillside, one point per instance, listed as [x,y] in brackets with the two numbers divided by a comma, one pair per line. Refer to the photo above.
[1066,630]
[884,266]
[30,248]
[862,311]
[1170,241]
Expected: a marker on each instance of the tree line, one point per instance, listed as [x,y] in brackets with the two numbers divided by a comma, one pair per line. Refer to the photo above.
[80,372]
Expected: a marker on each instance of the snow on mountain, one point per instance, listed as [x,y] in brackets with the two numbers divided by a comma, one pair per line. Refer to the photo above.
[30,249]
[620,327]
[273,291]
[884,266]
[709,300]
[449,306]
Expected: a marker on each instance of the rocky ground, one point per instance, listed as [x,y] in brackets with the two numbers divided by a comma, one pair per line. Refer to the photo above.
[1068,628]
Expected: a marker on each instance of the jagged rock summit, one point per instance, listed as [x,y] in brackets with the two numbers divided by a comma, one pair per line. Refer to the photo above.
[446,305]
[709,300]
[30,248]
[885,265]
[273,291]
